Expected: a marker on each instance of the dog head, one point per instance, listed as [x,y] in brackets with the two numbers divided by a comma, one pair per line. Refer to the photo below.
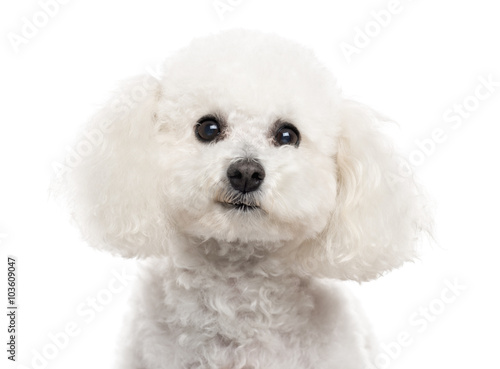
[246,139]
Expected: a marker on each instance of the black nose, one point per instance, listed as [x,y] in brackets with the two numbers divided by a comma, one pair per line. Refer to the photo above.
[245,175]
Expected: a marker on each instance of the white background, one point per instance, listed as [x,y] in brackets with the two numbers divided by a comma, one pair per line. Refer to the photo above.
[424,60]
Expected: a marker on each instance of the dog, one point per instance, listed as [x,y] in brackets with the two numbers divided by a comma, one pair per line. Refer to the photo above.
[250,188]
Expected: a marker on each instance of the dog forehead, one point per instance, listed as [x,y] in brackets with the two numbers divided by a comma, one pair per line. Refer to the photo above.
[246,70]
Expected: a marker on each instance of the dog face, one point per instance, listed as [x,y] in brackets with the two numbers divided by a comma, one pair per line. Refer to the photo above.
[246,139]
[248,148]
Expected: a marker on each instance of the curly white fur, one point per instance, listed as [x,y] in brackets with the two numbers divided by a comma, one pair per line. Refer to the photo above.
[226,288]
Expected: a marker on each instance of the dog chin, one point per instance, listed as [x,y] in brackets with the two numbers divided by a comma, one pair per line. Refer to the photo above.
[233,223]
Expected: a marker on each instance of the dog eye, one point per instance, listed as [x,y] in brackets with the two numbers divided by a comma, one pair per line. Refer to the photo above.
[287,135]
[207,130]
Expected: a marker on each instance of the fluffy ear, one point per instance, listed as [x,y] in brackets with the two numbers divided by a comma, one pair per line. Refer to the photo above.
[111,177]
[380,211]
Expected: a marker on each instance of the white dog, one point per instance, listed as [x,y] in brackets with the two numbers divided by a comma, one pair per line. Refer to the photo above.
[245,179]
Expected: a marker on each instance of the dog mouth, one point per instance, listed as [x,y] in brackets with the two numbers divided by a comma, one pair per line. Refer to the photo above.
[240,206]
[238,201]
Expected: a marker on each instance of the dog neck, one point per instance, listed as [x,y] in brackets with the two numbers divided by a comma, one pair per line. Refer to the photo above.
[220,297]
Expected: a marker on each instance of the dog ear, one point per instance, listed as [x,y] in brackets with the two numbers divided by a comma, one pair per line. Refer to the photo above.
[111,182]
[380,211]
